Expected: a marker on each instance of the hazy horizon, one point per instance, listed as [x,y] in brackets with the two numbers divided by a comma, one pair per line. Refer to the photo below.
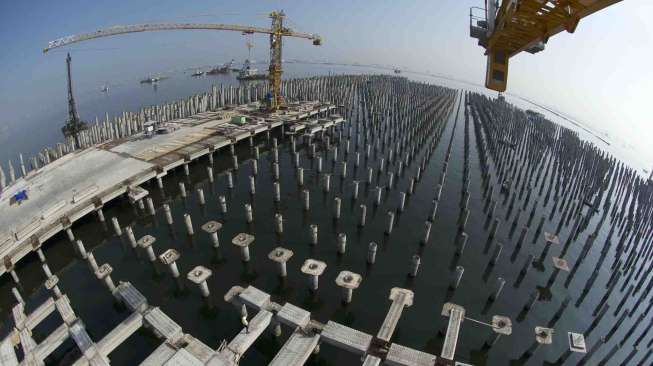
[599,75]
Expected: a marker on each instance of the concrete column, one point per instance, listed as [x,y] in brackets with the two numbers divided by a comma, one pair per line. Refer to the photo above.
[189,224]
[147,243]
[169,258]
[168,214]
[414,265]
[150,206]
[81,249]
[249,214]
[91,261]
[391,222]
[462,243]
[313,231]
[100,214]
[235,162]
[306,199]
[300,176]
[278,223]
[14,275]
[336,208]
[71,236]
[209,173]
[348,281]
[277,191]
[230,180]
[223,204]
[457,276]
[499,287]
[371,253]
[379,195]
[243,241]
[313,268]
[182,189]
[355,190]
[497,252]
[200,196]
[402,201]
[281,256]
[116,226]
[199,275]
[342,243]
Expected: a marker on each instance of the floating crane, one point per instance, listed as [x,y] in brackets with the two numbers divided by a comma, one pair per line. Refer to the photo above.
[523,25]
[277,31]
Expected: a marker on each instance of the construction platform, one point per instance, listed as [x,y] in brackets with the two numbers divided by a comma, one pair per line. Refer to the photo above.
[82,181]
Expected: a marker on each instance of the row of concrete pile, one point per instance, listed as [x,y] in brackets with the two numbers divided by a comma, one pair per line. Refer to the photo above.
[534,203]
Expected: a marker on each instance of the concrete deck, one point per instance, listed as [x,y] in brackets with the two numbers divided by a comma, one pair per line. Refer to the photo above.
[79,183]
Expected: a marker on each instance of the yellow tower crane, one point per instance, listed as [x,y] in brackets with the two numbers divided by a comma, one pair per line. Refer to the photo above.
[523,25]
[276,32]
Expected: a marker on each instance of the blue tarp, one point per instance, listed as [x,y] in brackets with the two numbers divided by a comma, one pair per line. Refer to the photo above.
[20,196]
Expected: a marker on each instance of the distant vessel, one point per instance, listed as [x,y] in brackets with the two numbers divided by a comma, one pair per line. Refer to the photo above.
[197,73]
[397,71]
[224,69]
[151,80]
[250,73]
[105,88]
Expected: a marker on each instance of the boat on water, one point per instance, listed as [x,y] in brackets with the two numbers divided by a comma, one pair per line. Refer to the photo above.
[151,80]
[224,69]
[105,88]
[198,73]
[250,73]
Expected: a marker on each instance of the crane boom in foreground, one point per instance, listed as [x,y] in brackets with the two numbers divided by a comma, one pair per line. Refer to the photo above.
[276,32]
[523,25]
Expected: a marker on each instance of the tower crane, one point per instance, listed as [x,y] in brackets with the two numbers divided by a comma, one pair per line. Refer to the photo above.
[276,32]
[523,25]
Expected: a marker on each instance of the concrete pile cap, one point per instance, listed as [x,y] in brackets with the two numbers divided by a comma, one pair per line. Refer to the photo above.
[502,325]
[136,193]
[146,241]
[543,335]
[51,282]
[551,238]
[560,263]
[313,267]
[233,293]
[280,254]
[242,240]
[199,274]
[577,342]
[212,227]
[169,256]
[348,279]
[396,291]
[448,307]
[104,270]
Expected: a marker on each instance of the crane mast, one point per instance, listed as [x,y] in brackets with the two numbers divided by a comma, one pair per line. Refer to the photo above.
[276,32]
[74,125]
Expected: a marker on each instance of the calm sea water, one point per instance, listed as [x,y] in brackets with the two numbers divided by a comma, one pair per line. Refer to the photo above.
[420,325]
[34,131]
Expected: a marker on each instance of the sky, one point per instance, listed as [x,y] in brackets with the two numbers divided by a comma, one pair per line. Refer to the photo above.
[599,75]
